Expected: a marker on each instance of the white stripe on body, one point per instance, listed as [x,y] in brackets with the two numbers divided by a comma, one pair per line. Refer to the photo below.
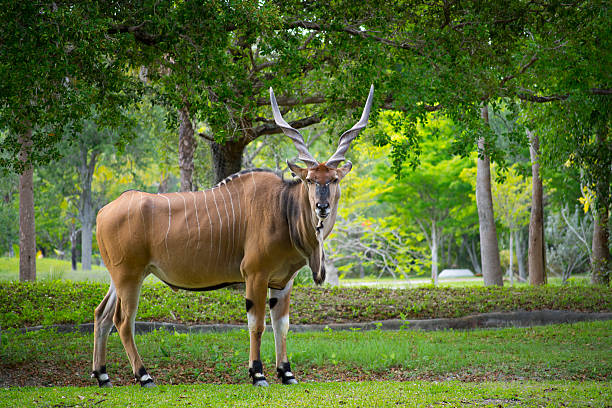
[220,227]
[144,227]
[211,232]
[169,222]
[195,206]
[186,221]
[239,217]
[233,223]
[128,216]
[227,215]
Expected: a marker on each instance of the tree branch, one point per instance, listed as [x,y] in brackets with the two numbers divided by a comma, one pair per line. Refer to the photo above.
[599,91]
[136,30]
[521,71]
[531,97]
[289,101]
[353,31]
[270,129]
[207,137]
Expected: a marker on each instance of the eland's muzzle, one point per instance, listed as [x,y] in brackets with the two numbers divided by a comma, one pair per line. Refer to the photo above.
[323,210]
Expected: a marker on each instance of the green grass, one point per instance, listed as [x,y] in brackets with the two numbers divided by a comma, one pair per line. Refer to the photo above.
[581,351]
[51,302]
[55,269]
[379,394]
[52,269]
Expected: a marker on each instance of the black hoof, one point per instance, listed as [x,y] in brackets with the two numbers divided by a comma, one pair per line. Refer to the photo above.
[261,383]
[285,374]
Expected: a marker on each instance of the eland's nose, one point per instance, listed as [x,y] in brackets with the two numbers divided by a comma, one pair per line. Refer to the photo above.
[322,206]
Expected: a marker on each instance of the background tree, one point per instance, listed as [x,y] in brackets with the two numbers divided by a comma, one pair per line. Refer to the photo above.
[55,59]
[435,192]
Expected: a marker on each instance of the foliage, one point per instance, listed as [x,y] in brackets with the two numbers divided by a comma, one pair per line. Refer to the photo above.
[567,235]
[56,60]
[367,237]
[51,302]
[384,223]
[9,212]
[511,195]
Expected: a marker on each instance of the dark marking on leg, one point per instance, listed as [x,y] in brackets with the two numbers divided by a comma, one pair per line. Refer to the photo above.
[256,373]
[144,378]
[102,377]
[249,304]
[273,302]
[285,374]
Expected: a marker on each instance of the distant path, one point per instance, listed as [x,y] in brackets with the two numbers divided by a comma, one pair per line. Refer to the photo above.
[479,321]
[402,283]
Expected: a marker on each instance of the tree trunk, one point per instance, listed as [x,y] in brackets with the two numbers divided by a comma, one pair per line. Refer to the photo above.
[27,227]
[489,248]
[510,271]
[86,239]
[472,253]
[73,246]
[600,258]
[331,273]
[163,184]
[87,214]
[519,256]
[600,261]
[187,145]
[434,253]
[536,254]
[226,158]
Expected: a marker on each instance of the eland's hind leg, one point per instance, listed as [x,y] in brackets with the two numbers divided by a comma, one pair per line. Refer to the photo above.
[128,292]
[103,323]
[279,311]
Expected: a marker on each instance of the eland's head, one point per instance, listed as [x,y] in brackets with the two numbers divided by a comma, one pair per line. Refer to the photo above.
[322,179]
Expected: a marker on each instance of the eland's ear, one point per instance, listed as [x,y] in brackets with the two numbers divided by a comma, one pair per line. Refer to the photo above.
[344,170]
[297,170]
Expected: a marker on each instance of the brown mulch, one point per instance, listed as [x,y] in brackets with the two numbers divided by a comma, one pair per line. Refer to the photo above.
[59,374]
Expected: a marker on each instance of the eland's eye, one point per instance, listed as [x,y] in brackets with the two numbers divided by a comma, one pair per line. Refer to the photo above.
[309,181]
[335,181]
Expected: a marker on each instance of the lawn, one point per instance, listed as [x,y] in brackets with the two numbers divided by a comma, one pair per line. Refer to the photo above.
[572,364]
[52,269]
[581,351]
[363,394]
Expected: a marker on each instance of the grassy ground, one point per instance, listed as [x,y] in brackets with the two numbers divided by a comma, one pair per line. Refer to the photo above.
[52,269]
[379,394]
[453,283]
[48,302]
[580,351]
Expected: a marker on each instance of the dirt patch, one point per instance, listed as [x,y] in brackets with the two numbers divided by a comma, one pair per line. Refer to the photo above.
[60,374]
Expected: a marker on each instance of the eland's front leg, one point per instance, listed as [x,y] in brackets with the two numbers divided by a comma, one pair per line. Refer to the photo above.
[256,288]
[279,311]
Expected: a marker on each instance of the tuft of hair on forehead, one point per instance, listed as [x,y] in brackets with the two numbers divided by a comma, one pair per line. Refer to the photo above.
[322,173]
